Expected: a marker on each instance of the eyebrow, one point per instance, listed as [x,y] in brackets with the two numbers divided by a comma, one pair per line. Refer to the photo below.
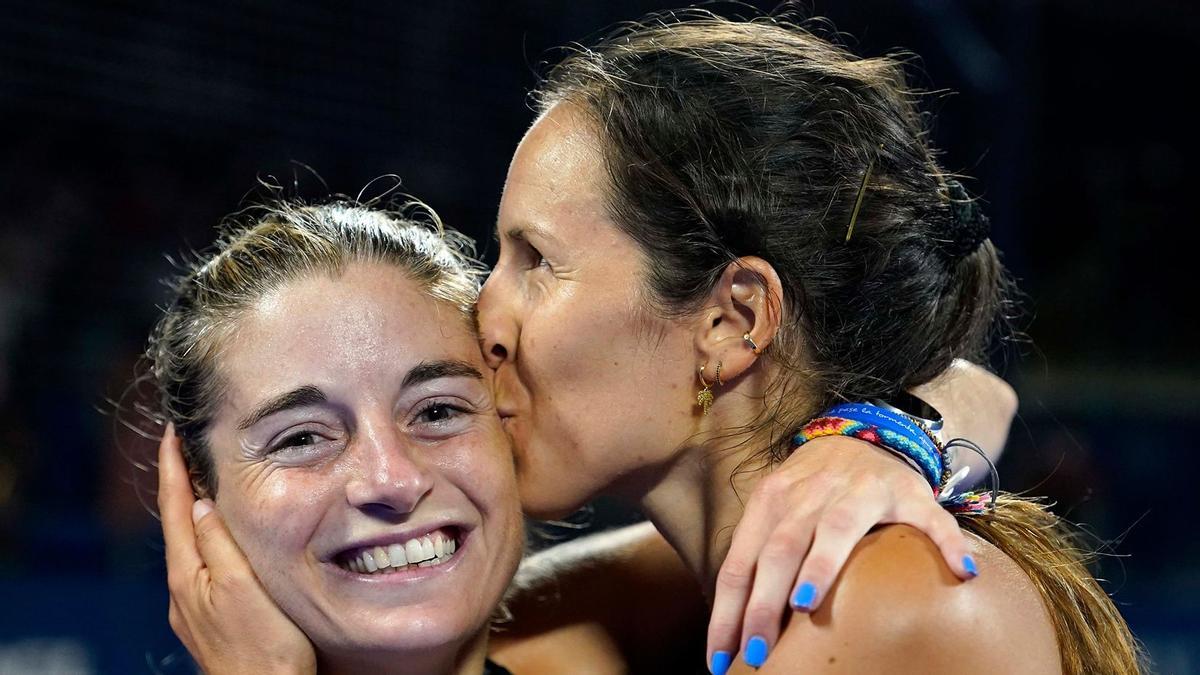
[310,395]
[522,232]
[296,398]
[433,370]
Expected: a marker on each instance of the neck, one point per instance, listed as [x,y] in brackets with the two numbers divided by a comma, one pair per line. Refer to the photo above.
[697,500]
[467,659]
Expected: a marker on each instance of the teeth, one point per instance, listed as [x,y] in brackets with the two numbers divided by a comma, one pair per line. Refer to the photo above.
[396,555]
[427,551]
[413,548]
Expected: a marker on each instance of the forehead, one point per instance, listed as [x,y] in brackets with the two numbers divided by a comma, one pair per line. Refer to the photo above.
[558,168]
[366,326]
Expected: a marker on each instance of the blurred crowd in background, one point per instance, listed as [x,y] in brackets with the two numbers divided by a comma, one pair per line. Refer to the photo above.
[131,128]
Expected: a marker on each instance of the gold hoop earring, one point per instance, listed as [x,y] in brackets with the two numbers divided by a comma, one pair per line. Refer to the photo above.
[704,399]
[753,345]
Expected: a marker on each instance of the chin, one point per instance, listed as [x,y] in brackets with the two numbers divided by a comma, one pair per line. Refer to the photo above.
[403,632]
[549,497]
[398,632]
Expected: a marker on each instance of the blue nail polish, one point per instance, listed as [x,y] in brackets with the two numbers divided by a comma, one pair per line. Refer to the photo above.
[805,597]
[720,662]
[969,566]
[756,651]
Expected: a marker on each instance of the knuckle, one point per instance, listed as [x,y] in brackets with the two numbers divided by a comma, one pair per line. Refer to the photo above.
[839,519]
[759,616]
[176,583]
[948,527]
[819,567]
[783,547]
[230,584]
[722,630]
[772,486]
[822,478]
[206,532]
[735,575]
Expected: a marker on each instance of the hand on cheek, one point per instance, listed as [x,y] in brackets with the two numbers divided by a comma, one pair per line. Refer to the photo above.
[218,609]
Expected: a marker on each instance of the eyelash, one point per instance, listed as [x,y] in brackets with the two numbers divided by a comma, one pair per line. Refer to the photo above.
[539,259]
[288,441]
[441,404]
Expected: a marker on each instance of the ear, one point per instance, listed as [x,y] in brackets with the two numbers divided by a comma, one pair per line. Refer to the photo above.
[747,299]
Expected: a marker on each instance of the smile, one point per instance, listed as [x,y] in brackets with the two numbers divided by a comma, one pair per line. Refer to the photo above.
[430,550]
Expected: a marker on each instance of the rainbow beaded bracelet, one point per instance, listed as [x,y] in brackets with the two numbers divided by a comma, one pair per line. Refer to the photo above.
[892,431]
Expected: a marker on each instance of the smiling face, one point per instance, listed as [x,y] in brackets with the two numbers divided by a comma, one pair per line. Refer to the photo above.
[358,433]
[596,391]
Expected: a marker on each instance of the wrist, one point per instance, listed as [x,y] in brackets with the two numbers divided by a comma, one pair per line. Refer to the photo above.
[888,428]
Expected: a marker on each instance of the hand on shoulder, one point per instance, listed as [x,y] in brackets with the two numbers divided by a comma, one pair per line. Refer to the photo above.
[897,608]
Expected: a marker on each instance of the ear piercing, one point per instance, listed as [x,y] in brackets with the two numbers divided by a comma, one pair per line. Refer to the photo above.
[704,399]
[753,346]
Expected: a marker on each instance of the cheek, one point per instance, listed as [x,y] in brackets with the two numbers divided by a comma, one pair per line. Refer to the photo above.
[482,469]
[272,513]
[578,351]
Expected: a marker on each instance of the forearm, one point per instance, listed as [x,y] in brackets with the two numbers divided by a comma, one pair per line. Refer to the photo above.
[976,405]
[624,590]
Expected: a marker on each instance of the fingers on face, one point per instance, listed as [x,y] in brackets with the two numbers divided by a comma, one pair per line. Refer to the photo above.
[175,508]
[221,555]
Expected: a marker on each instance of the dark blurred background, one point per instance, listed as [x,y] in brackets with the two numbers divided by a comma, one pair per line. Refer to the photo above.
[131,128]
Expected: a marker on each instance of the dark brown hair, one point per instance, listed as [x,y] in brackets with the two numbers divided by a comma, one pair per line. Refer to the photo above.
[727,138]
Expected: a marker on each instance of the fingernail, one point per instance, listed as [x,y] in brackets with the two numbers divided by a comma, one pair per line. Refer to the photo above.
[756,651]
[201,508]
[969,566]
[720,662]
[805,597]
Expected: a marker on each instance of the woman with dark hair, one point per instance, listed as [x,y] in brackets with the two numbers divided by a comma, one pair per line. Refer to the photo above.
[751,209]
[713,232]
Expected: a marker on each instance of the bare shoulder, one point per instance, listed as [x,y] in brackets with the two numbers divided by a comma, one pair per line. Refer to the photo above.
[897,607]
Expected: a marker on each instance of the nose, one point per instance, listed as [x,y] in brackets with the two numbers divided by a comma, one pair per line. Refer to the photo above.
[497,323]
[389,479]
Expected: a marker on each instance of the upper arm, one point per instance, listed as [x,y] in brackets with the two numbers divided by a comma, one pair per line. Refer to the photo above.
[897,609]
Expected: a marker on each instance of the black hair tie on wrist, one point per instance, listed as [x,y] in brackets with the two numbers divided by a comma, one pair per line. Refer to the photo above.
[967,228]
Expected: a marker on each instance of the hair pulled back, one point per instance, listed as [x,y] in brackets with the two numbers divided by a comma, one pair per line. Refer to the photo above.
[258,251]
[725,139]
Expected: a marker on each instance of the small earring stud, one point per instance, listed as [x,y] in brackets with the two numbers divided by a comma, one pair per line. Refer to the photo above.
[753,345]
